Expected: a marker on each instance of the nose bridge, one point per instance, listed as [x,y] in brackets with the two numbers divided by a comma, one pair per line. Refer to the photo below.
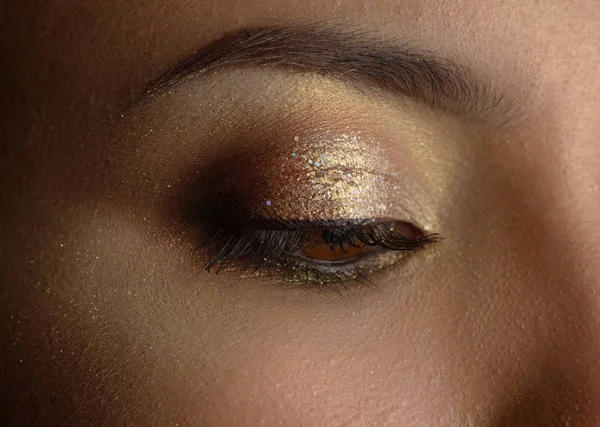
[569,184]
[541,201]
[574,182]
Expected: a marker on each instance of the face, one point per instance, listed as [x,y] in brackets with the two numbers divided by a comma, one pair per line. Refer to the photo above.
[301,213]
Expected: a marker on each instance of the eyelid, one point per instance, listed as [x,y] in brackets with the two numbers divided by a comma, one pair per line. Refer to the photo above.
[252,141]
[346,176]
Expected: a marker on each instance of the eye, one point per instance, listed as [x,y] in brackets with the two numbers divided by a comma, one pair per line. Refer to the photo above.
[329,247]
[343,245]
[318,253]
[321,209]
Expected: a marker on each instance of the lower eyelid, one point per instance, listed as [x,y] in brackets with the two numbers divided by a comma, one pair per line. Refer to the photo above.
[319,275]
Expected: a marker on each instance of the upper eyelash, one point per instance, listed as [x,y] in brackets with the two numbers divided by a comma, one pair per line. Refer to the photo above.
[258,245]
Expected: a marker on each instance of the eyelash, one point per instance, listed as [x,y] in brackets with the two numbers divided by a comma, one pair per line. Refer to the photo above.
[268,246]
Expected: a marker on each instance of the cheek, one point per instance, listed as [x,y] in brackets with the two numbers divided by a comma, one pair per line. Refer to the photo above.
[319,375]
[288,383]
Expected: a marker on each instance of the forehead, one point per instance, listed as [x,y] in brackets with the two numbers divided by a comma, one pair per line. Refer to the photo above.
[121,44]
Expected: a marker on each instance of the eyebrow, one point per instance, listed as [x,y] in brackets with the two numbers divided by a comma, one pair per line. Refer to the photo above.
[353,56]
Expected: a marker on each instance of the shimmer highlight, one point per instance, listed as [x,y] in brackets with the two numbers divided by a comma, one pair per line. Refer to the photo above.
[332,176]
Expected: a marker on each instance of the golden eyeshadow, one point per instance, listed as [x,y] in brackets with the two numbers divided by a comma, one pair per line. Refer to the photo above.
[329,176]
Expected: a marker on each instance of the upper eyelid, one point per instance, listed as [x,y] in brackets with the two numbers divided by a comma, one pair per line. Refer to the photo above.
[283,224]
[356,57]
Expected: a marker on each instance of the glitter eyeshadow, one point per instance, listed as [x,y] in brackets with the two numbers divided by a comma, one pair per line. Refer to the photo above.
[343,176]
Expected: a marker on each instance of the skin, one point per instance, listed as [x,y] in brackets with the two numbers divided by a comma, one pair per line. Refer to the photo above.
[109,319]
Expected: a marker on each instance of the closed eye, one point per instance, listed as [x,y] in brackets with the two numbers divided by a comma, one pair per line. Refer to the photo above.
[324,253]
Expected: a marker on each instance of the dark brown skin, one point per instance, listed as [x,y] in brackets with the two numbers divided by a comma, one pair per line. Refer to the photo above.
[109,319]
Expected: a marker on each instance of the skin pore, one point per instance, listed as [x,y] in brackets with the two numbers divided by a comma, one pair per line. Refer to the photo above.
[108,315]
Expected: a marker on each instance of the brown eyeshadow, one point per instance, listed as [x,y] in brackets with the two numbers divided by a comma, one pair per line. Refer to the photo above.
[332,176]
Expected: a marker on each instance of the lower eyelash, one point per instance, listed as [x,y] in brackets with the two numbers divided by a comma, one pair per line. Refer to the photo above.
[332,277]
[270,250]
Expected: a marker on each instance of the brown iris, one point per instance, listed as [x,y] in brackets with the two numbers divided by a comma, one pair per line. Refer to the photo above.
[326,249]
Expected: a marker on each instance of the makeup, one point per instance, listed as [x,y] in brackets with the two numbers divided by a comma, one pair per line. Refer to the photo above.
[330,176]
